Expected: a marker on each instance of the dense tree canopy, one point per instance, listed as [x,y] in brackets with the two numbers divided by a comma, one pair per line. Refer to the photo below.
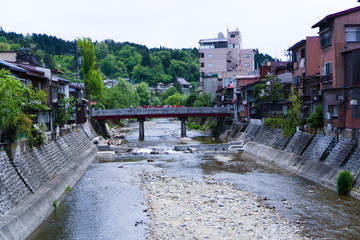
[17,101]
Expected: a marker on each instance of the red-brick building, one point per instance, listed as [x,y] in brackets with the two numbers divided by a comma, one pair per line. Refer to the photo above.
[340,70]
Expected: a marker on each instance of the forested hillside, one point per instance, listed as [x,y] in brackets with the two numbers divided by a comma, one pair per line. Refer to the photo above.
[115,59]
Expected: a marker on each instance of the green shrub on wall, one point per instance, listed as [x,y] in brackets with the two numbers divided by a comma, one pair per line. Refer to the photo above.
[38,135]
[344,183]
[288,127]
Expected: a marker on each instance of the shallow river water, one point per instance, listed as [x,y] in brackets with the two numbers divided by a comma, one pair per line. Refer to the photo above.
[107,202]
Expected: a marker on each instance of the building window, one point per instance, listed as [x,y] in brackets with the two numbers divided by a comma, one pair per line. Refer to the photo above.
[232,35]
[210,65]
[227,82]
[327,69]
[339,97]
[297,81]
[325,39]
[296,56]
[246,55]
[352,34]
[201,55]
[326,75]
[202,64]
[210,56]
[247,65]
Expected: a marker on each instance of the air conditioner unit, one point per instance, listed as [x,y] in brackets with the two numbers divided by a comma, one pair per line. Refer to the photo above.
[354,102]
[327,116]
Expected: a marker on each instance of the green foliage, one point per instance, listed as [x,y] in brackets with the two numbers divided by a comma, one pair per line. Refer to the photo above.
[294,113]
[191,100]
[316,118]
[65,111]
[196,126]
[16,102]
[204,100]
[269,90]
[344,183]
[156,102]
[170,91]
[175,99]
[144,93]
[55,203]
[87,50]
[38,135]
[275,122]
[92,77]
[123,95]
[288,127]
[261,59]
[67,190]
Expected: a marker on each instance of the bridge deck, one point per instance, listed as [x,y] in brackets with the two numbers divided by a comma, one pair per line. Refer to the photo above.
[162,112]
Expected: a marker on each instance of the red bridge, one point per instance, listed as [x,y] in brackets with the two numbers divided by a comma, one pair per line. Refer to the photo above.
[165,112]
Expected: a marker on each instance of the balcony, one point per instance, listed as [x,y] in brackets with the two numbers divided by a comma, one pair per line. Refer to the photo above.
[327,78]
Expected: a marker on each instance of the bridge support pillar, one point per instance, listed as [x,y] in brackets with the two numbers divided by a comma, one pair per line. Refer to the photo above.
[141,128]
[183,126]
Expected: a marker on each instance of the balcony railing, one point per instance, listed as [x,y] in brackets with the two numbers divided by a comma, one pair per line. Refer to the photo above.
[326,78]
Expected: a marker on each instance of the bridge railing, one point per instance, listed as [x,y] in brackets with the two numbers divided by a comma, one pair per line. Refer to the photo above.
[160,111]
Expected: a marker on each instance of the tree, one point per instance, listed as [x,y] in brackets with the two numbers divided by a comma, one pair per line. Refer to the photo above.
[65,111]
[294,113]
[156,102]
[269,90]
[168,92]
[316,118]
[130,57]
[123,95]
[175,99]
[102,50]
[204,100]
[92,77]
[144,93]
[17,102]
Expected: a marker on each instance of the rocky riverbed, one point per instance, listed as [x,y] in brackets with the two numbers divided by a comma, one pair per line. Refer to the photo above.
[208,209]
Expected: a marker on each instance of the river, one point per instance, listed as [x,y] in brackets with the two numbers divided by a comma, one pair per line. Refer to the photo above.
[107,202]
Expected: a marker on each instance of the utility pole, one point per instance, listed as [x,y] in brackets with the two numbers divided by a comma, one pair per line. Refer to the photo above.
[234,80]
[77,61]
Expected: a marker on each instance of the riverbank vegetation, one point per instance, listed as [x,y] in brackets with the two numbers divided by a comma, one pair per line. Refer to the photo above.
[344,183]
[17,103]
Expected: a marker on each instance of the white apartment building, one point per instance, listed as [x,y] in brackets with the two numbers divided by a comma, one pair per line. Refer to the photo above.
[223,58]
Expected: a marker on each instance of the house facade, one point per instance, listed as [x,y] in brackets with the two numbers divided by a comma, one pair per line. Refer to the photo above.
[221,59]
[305,70]
[339,35]
[49,80]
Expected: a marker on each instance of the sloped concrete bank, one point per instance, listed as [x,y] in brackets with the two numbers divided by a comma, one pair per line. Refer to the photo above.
[311,170]
[36,178]
[318,158]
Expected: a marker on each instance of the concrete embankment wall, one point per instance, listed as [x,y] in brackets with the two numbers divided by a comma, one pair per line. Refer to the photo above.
[316,157]
[35,178]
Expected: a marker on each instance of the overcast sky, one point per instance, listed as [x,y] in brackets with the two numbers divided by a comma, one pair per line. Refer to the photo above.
[270,26]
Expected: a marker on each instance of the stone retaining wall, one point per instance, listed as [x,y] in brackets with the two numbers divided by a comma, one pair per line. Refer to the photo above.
[318,158]
[31,181]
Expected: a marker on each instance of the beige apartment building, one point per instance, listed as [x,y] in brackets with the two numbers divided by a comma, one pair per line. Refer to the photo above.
[222,59]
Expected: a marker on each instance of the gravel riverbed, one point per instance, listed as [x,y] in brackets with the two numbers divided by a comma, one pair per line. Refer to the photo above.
[208,209]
